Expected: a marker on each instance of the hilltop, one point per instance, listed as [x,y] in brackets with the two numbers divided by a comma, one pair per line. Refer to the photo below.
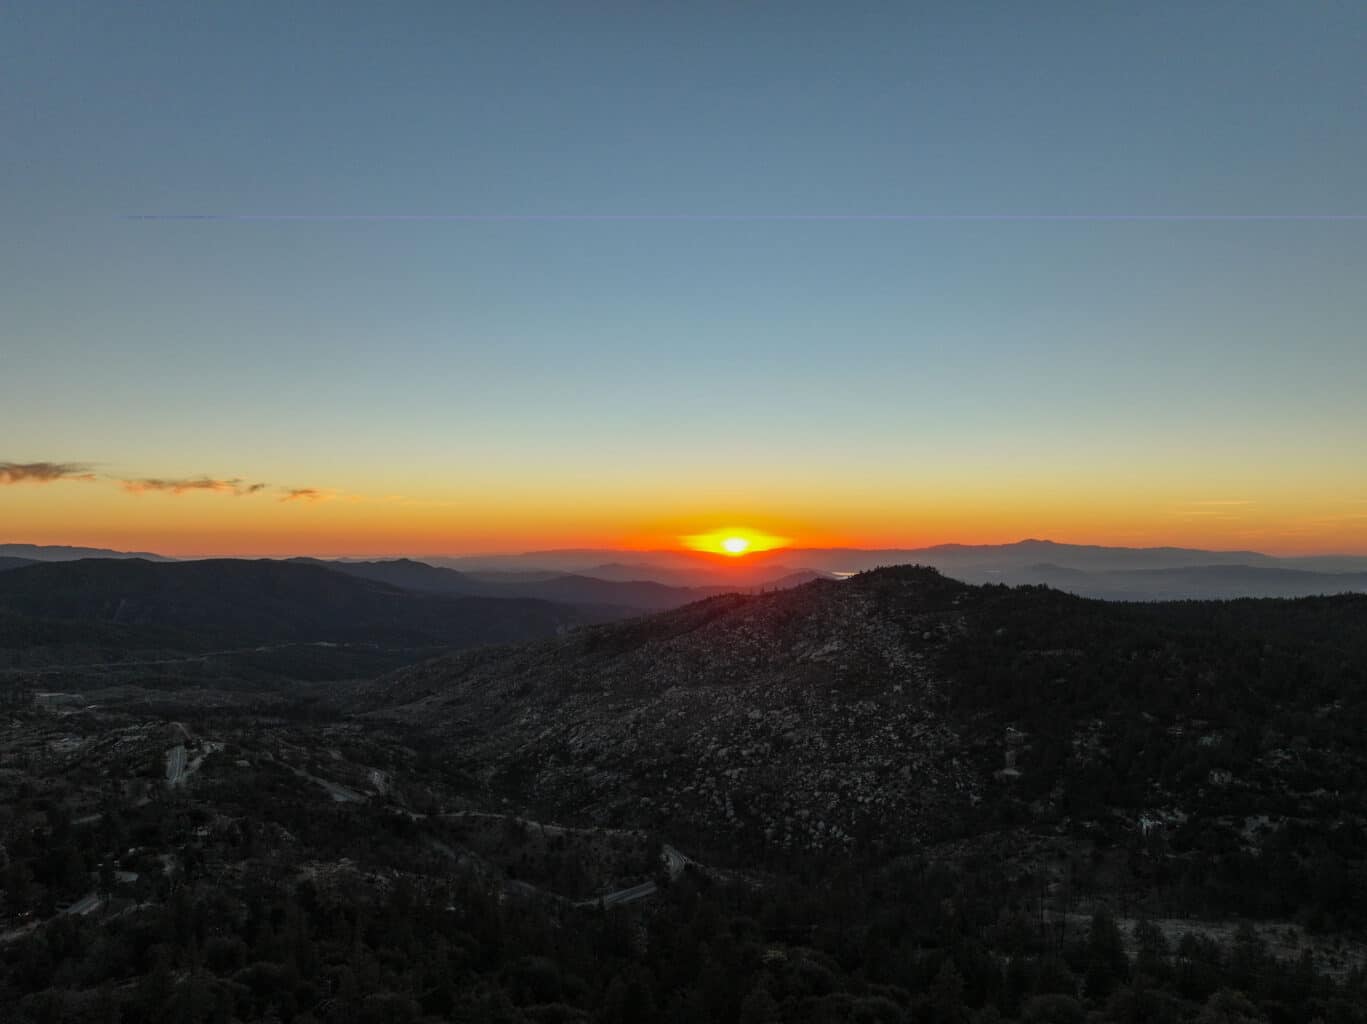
[771,715]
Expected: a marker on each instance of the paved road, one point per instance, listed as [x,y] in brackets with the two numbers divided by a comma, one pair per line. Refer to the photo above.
[636,892]
[675,862]
[84,905]
[185,659]
[338,792]
[550,830]
[175,764]
[20,932]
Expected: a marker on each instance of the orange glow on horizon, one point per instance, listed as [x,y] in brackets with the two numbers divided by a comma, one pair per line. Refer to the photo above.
[212,516]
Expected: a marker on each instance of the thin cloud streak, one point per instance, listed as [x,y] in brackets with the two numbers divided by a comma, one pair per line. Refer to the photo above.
[183,485]
[1213,508]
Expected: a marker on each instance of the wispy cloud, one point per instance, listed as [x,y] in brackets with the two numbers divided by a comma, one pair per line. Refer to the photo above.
[48,472]
[1211,508]
[305,494]
[407,502]
[181,485]
[43,472]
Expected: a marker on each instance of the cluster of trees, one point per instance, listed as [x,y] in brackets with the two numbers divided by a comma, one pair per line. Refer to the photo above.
[1232,711]
[914,943]
[1033,651]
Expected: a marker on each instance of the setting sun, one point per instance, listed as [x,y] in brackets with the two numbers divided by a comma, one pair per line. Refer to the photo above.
[734,541]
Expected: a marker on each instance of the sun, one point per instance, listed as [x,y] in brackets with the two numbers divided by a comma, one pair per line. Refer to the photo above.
[734,541]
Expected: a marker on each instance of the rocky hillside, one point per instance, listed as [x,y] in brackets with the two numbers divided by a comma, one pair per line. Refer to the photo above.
[902,707]
[806,718]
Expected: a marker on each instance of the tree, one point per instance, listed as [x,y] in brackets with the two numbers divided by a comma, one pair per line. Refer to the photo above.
[1229,1006]
[947,995]
[1106,963]
[1053,1009]
[629,1000]
[759,1007]
[1248,958]
[1153,951]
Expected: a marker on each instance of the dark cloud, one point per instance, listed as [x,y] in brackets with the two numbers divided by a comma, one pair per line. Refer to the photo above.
[179,485]
[43,472]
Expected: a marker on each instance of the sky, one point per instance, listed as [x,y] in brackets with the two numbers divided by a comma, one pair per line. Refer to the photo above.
[691,297]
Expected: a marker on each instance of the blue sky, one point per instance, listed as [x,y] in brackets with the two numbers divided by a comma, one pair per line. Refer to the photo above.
[397,356]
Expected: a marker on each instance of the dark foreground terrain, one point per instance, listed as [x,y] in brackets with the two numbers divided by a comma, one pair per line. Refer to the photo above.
[892,798]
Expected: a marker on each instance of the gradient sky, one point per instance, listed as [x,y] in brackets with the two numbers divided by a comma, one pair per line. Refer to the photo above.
[450,386]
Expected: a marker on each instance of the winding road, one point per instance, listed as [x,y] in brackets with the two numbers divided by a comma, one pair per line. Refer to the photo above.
[675,862]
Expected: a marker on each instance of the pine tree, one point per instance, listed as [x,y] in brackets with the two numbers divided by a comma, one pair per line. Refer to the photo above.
[947,995]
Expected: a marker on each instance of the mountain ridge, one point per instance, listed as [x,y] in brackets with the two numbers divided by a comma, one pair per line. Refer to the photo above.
[127,605]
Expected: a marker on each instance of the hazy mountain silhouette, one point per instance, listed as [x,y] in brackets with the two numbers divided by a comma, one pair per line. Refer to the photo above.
[1088,570]
[671,567]
[66,553]
[659,580]
[230,600]
[941,556]
[574,589]
[1199,582]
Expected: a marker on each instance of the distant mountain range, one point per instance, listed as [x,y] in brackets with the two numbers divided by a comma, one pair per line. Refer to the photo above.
[673,568]
[65,553]
[642,595]
[1112,573]
[120,610]
[1198,582]
[1020,554]
[650,581]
